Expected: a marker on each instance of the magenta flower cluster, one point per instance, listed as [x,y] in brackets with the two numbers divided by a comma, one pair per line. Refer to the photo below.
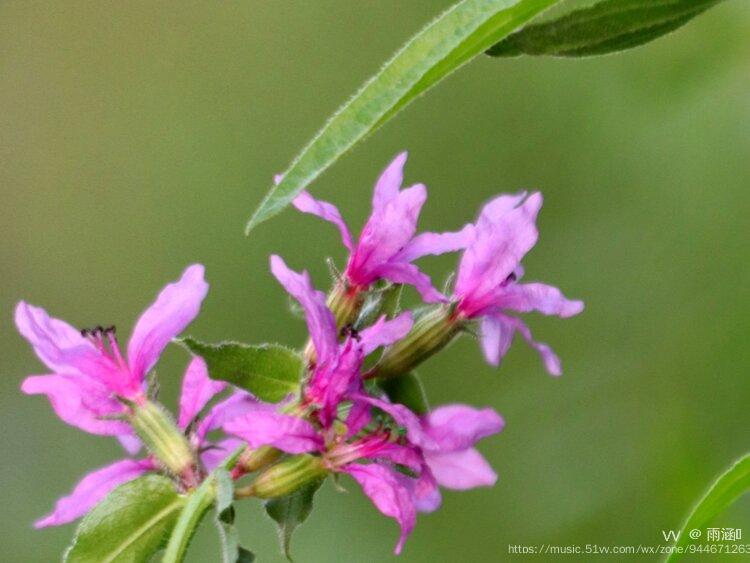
[340,419]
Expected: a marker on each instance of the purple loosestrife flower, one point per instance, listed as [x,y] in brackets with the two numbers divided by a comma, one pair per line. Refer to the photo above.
[197,391]
[387,245]
[336,373]
[88,371]
[487,282]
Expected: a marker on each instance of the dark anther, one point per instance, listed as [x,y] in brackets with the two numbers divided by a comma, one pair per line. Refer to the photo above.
[85,332]
[349,330]
[110,330]
[511,278]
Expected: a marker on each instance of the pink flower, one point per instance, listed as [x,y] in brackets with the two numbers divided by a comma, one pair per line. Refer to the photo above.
[88,371]
[446,437]
[337,370]
[387,245]
[197,391]
[487,282]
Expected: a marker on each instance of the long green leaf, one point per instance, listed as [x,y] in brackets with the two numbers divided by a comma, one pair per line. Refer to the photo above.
[464,31]
[268,371]
[603,26]
[723,492]
[130,524]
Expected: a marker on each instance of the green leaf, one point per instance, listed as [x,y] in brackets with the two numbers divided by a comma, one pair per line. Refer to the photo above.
[407,390]
[231,551]
[290,511]
[604,26]
[268,371]
[465,30]
[129,525]
[723,492]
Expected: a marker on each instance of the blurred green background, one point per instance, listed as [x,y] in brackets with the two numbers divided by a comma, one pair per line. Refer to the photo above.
[137,137]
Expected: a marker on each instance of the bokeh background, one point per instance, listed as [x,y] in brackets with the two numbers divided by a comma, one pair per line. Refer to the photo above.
[137,137]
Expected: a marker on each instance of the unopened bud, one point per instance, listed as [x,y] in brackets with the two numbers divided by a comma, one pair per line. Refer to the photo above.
[252,460]
[288,476]
[430,333]
[159,433]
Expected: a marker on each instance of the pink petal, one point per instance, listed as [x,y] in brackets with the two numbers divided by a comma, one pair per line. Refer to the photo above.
[265,427]
[403,417]
[80,401]
[197,390]
[237,404]
[174,309]
[540,297]
[389,183]
[320,321]
[458,427]
[130,443]
[387,231]
[496,338]
[551,361]
[494,254]
[214,454]
[390,493]
[427,497]
[385,332]
[402,272]
[436,243]
[359,416]
[60,346]
[308,204]
[461,470]
[93,488]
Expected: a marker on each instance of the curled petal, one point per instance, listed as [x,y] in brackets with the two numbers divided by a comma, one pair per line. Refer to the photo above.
[458,427]
[327,211]
[496,338]
[93,488]
[265,427]
[197,390]
[320,320]
[403,272]
[461,470]
[546,299]
[174,309]
[436,243]
[60,346]
[80,401]
[391,494]
[427,497]
[384,332]
[551,362]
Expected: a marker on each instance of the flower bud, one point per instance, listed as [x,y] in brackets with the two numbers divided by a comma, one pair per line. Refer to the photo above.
[258,458]
[430,333]
[288,476]
[159,433]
